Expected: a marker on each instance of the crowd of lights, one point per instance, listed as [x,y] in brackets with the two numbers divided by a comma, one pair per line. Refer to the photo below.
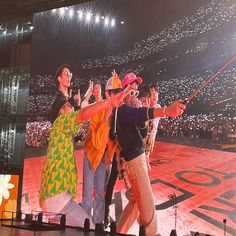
[85,16]
[206,19]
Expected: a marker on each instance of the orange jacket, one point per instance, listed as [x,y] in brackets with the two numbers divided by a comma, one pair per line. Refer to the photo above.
[98,140]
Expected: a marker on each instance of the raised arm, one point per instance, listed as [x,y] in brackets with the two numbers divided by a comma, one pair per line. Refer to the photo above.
[87,95]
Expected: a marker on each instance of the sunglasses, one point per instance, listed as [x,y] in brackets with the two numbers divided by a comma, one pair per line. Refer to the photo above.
[133,93]
[115,91]
[68,74]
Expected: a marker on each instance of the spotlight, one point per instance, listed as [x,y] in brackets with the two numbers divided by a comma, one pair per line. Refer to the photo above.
[88,16]
[62,11]
[122,22]
[106,21]
[97,19]
[80,14]
[71,13]
[113,22]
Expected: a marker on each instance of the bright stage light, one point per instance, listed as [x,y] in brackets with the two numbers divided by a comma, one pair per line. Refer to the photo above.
[85,15]
[62,11]
[106,21]
[97,19]
[113,22]
[88,16]
[80,14]
[71,13]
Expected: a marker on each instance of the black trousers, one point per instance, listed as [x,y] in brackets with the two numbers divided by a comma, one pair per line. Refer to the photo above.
[110,186]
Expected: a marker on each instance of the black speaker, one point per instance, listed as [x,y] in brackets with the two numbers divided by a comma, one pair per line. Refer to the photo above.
[63,221]
[40,218]
[173,232]
[86,225]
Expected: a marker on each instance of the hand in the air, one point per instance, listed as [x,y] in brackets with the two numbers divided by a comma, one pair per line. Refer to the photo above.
[117,99]
[89,92]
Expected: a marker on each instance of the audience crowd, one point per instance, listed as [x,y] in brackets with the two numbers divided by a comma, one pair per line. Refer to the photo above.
[218,123]
[206,18]
[212,126]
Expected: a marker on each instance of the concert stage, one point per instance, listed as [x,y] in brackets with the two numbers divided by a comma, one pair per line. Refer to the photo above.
[200,182]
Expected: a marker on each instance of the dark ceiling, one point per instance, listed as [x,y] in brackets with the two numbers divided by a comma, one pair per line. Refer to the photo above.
[13,9]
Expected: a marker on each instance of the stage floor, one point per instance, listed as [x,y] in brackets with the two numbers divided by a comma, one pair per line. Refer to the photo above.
[203,181]
[7,231]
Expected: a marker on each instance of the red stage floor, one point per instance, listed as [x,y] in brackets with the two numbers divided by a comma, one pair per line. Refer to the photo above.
[203,180]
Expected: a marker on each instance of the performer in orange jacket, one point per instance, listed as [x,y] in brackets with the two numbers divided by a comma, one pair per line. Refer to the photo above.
[98,151]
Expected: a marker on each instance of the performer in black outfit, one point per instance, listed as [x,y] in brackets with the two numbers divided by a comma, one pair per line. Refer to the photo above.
[63,80]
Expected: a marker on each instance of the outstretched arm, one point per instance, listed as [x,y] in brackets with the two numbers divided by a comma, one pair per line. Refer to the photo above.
[91,110]
[175,109]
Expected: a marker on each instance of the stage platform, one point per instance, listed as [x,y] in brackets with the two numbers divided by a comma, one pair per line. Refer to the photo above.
[202,181]
[7,231]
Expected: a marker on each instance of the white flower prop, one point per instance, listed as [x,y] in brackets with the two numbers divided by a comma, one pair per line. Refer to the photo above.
[4,186]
